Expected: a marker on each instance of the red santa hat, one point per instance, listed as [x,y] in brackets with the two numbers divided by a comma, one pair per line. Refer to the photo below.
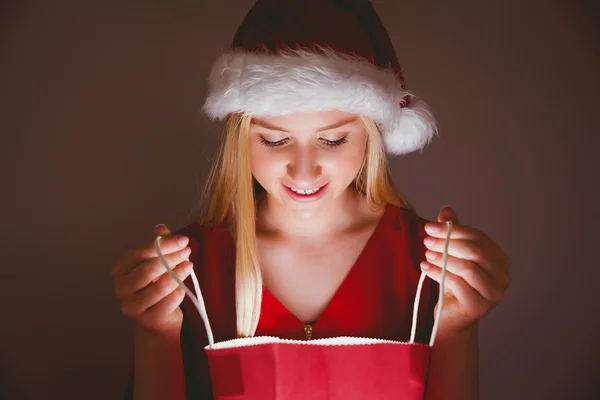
[316,55]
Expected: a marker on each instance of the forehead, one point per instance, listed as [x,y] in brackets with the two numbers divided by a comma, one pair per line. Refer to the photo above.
[307,121]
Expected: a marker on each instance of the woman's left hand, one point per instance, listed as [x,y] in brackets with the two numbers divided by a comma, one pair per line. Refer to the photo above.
[477,272]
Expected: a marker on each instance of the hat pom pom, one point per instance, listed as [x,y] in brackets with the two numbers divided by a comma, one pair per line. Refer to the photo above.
[413,129]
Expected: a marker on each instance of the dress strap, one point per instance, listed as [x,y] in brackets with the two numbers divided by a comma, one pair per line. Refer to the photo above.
[197,300]
[440,298]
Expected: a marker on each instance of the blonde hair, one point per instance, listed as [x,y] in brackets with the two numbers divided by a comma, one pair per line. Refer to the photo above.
[230,198]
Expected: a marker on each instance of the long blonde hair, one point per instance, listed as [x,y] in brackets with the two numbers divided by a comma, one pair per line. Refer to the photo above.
[230,198]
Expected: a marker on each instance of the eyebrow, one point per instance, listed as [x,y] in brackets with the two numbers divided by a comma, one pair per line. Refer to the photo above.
[325,128]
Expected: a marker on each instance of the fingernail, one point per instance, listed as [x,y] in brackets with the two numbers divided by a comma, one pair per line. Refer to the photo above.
[430,255]
[424,265]
[183,240]
[185,253]
[160,226]
[432,228]
[429,241]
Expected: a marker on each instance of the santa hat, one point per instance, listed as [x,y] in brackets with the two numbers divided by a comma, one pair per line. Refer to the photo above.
[316,55]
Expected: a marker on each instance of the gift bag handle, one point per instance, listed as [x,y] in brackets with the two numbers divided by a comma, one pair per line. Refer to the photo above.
[198,300]
[440,305]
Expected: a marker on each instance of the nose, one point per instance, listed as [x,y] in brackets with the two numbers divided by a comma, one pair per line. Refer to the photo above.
[304,168]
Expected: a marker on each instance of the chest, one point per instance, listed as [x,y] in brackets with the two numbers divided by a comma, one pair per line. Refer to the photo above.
[304,277]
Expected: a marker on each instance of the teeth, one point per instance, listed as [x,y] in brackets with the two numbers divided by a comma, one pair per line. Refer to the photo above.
[309,191]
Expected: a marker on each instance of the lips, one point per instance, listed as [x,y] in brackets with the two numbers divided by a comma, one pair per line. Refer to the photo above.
[306,197]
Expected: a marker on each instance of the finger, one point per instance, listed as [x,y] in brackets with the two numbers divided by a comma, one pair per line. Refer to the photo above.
[139,302]
[133,257]
[130,259]
[447,213]
[147,272]
[470,272]
[464,249]
[166,306]
[160,230]
[440,230]
[457,287]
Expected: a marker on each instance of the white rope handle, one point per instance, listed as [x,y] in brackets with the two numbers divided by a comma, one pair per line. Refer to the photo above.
[198,301]
[441,296]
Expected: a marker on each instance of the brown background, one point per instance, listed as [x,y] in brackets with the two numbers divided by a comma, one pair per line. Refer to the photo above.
[102,138]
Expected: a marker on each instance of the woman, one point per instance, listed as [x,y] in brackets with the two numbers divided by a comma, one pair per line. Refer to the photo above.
[304,235]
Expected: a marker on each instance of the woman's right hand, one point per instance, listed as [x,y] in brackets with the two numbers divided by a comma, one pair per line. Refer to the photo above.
[148,294]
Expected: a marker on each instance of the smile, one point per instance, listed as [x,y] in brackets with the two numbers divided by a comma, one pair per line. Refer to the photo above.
[307,191]
[306,195]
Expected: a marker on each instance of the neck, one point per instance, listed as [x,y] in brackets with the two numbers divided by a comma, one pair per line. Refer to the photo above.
[308,222]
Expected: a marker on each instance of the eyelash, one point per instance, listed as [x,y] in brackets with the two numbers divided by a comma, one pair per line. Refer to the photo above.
[330,143]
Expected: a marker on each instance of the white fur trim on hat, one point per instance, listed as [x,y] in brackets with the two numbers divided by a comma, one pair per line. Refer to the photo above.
[267,84]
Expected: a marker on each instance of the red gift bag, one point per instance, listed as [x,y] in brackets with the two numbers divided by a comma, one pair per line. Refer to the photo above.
[340,368]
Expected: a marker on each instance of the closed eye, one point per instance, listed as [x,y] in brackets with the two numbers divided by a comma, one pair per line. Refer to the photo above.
[279,143]
[333,143]
[272,144]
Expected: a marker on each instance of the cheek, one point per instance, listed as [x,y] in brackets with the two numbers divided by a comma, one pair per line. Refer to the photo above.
[347,163]
[263,163]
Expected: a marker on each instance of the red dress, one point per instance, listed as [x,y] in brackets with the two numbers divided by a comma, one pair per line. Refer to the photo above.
[375,300]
